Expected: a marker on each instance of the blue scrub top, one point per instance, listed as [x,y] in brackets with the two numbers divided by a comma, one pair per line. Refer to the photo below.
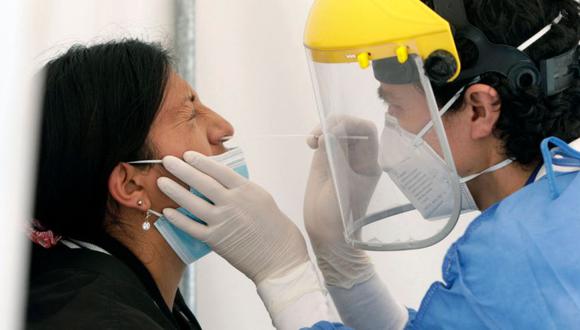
[518,264]
[516,267]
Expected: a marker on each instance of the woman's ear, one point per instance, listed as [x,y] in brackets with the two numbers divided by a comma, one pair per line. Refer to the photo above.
[485,105]
[126,186]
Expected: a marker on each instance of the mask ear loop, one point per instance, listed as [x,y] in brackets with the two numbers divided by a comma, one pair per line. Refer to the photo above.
[140,162]
[443,110]
[146,224]
[494,168]
[419,137]
[521,47]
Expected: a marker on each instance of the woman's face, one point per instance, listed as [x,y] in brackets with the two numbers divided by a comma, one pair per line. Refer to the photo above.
[183,123]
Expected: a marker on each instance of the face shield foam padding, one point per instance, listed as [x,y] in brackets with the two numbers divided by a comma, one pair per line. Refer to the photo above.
[390,71]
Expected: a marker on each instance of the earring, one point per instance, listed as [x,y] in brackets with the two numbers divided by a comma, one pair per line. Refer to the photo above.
[146,224]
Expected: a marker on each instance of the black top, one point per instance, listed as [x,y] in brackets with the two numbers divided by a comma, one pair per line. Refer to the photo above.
[81,288]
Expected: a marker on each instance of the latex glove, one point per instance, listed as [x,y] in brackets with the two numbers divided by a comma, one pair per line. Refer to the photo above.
[341,264]
[245,226]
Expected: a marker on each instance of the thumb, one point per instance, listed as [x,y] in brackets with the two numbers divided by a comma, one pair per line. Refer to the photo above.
[314,137]
[319,168]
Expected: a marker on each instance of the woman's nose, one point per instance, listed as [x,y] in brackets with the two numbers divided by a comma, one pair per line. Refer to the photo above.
[219,130]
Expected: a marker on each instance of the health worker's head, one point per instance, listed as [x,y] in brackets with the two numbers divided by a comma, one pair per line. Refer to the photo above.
[491,120]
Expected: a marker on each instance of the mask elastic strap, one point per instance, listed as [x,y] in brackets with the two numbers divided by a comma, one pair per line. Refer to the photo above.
[493,168]
[521,47]
[540,33]
[443,110]
[155,213]
[152,161]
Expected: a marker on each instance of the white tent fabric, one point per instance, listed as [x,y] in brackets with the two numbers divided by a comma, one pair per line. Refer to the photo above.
[17,153]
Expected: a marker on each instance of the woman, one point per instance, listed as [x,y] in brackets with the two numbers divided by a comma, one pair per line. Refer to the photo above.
[101,264]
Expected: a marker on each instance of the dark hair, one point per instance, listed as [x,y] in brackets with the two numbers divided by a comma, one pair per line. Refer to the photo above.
[98,105]
[527,115]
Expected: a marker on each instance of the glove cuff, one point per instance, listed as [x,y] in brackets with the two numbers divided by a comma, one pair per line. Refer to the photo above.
[281,292]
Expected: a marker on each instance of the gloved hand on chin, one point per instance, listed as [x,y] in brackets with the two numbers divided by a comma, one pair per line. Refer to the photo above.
[246,227]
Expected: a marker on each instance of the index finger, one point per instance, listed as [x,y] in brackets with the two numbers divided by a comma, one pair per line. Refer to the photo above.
[220,172]
[195,178]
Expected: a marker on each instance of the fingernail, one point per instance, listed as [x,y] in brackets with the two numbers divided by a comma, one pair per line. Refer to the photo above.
[166,214]
[162,183]
[171,163]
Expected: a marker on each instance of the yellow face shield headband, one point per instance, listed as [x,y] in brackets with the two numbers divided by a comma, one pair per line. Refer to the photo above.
[362,31]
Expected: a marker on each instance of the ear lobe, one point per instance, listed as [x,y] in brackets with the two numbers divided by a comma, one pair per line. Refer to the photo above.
[485,103]
[125,188]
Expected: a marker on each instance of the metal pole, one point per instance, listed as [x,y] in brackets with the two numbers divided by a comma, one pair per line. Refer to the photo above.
[185,56]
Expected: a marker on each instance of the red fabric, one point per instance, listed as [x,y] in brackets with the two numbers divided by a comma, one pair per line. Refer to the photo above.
[42,237]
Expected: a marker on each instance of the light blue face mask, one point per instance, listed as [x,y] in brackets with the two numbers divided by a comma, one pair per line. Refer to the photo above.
[186,247]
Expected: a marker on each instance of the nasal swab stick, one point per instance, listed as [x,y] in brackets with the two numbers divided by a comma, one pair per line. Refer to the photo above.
[354,137]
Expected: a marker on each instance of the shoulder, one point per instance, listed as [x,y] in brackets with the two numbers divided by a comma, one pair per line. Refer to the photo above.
[497,246]
[503,227]
[520,252]
[87,309]
[71,294]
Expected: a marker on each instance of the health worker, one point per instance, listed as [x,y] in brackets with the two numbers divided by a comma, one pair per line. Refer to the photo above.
[428,110]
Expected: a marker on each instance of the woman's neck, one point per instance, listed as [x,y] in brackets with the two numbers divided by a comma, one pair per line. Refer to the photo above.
[157,256]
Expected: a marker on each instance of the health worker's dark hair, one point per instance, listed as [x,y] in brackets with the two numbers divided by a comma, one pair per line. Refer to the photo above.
[98,105]
[527,115]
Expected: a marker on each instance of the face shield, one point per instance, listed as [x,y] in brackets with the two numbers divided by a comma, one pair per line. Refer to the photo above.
[390,160]
[389,157]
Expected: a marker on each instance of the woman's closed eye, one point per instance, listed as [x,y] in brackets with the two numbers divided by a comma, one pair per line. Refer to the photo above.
[191,104]
[193,113]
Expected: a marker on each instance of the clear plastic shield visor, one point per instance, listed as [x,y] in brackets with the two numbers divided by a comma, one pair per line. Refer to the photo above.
[389,157]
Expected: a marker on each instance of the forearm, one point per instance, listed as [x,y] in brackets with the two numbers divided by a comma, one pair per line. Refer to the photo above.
[369,305]
[297,299]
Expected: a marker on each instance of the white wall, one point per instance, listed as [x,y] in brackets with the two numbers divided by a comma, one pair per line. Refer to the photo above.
[66,22]
[251,68]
